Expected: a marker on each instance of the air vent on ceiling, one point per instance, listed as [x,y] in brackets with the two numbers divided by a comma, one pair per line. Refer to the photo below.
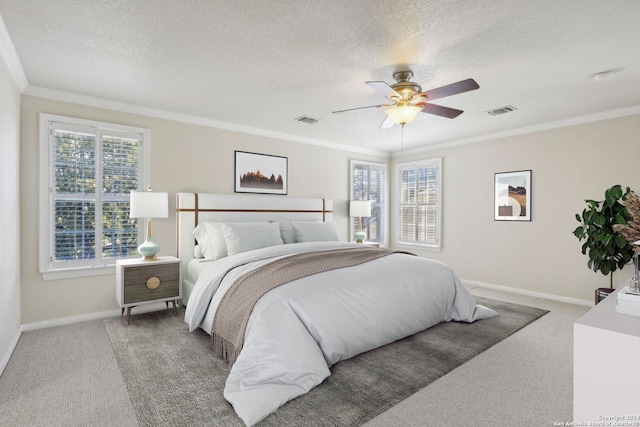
[306,119]
[502,110]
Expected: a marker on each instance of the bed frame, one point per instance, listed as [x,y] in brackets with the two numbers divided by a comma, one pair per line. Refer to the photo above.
[193,208]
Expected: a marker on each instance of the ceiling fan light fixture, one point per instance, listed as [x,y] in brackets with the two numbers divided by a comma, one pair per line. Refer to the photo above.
[403,114]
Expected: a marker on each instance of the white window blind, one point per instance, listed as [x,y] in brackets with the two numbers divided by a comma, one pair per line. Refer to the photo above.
[90,168]
[420,208]
[368,183]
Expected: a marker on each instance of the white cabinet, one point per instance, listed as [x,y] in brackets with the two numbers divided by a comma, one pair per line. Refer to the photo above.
[606,365]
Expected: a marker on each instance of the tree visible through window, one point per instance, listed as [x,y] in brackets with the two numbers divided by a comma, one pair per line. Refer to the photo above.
[92,169]
[368,181]
[420,202]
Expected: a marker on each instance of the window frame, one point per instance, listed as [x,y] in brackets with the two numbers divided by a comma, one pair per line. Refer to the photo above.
[46,203]
[426,163]
[383,202]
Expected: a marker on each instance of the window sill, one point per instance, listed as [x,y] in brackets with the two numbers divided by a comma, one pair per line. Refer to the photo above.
[70,273]
[418,247]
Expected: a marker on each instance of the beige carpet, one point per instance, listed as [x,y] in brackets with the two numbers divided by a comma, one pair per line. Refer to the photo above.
[64,376]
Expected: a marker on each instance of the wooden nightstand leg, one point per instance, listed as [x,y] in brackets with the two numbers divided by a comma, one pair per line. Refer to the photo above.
[122,312]
[175,307]
[126,322]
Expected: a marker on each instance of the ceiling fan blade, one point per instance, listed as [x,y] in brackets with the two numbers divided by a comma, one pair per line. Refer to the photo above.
[384,89]
[439,110]
[358,108]
[452,89]
[387,123]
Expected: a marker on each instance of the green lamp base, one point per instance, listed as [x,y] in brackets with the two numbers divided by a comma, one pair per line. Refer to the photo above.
[149,249]
[360,236]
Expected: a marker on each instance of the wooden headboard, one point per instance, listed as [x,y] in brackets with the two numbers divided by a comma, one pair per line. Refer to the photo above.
[193,208]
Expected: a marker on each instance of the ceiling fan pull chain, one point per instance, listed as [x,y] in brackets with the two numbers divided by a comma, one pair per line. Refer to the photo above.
[402,143]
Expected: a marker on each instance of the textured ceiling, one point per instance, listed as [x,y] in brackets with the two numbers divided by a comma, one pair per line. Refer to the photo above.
[258,65]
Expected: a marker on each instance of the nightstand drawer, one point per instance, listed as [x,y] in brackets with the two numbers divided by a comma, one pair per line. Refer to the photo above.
[141,292]
[151,282]
[136,275]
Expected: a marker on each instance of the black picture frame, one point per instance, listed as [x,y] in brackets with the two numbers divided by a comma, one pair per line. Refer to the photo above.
[260,173]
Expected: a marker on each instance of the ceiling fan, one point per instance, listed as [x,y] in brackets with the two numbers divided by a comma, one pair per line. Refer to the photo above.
[407,99]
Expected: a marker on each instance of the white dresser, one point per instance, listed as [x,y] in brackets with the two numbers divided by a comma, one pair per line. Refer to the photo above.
[606,365]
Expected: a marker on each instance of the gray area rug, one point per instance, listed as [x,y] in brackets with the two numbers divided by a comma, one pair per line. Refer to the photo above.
[174,379]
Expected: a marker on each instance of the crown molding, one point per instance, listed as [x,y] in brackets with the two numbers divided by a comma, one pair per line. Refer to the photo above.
[75,98]
[11,59]
[589,118]
[57,95]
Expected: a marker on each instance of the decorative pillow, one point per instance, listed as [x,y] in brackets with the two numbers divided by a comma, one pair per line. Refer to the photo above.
[247,236]
[210,240]
[315,231]
[286,232]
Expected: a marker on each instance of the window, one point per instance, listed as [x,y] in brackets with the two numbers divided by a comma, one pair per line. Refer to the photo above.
[87,172]
[420,202]
[367,183]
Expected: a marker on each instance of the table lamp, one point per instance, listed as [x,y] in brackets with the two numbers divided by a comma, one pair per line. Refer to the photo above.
[149,204]
[360,209]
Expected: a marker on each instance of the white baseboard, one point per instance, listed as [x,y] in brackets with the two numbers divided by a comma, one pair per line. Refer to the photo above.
[89,316]
[542,295]
[7,356]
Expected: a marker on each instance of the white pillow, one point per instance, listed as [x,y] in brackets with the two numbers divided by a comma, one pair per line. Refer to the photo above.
[210,240]
[247,236]
[197,252]
[286,232]
[315,231]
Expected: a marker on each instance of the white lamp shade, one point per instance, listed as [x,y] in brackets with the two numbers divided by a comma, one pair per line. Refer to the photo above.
[360,208]
[403,114]
[149,204]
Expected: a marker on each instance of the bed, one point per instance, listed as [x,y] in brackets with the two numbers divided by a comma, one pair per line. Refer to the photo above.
[289,298]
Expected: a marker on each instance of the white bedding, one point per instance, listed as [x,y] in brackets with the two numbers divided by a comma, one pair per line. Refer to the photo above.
[195,268]
[299,329]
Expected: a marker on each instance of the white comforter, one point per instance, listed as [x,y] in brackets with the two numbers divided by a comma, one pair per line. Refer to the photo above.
[299,329]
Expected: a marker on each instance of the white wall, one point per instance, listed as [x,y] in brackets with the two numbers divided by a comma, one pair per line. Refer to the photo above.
[9,214]
[184,157]
[568,165]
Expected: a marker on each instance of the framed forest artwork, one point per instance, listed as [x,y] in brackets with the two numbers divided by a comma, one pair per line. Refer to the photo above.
[260,173]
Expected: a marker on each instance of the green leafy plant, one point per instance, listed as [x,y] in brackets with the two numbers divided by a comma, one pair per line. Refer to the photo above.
[607,249]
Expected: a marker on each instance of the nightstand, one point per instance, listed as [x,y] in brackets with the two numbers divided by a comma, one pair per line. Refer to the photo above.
[374,244]
[141,282]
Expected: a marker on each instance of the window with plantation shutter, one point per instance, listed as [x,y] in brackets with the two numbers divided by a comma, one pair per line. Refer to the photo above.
[88,170]
[419,202]
[368,182]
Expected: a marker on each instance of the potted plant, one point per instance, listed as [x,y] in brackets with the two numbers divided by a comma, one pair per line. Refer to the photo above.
[607,249]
